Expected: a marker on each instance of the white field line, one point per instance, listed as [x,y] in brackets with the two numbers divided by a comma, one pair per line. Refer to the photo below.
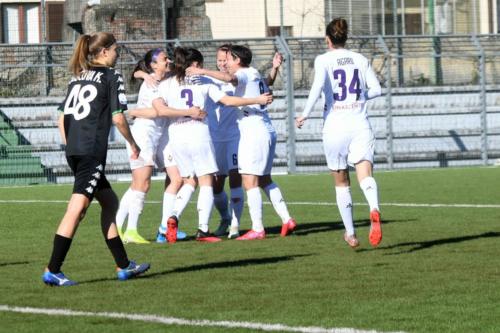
[300,203]
[179,321]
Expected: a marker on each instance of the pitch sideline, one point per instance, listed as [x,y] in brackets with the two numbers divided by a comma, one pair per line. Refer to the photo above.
[179,321]
[302,203]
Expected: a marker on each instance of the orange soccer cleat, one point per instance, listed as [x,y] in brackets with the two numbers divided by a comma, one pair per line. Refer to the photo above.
[375,228]
[172,226]
[252,235]
[288,228]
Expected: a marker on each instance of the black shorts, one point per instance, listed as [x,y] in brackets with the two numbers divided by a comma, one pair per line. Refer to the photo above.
[89,175]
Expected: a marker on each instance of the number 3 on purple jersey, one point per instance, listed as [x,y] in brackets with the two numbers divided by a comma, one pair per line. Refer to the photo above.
[188,94]
[340,75]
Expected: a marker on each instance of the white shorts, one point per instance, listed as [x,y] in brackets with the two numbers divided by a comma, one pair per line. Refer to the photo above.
[256,147]
[192,149]
[226,155]
[147,138]
[348,148]
[164,156]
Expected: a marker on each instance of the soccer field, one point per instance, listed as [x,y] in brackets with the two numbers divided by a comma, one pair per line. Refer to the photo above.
[436,270]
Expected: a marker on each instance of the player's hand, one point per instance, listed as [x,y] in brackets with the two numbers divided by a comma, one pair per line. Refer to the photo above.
[277,60]
[135,151]
[265,99]
[197,113]
[191,71]
[150,81]
[299,121]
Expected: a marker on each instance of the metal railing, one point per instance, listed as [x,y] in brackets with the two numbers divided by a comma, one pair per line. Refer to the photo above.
[439,105]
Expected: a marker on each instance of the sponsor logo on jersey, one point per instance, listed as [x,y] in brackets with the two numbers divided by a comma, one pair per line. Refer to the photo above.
[97,175]
[89,189]
[99,167]
[93,182]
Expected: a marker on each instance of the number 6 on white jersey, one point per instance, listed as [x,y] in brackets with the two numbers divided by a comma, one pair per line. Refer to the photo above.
[77,99]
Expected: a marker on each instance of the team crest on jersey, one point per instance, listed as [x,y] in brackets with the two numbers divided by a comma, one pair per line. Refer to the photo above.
[122,98]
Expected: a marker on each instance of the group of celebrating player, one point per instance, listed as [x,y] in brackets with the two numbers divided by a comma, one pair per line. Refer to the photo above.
[239,143]
[202,126]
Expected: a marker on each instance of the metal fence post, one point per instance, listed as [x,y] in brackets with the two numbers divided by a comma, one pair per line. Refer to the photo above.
[388,97]
[289,101]
[484,115]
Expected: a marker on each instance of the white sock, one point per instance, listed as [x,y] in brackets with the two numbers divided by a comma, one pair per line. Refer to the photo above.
[255,208]
[220,202]
[182,199]
[135,209]
[122,212]
[344,203]
[204,205]
[237,201]
[369,187]
[273,192]
[168,207]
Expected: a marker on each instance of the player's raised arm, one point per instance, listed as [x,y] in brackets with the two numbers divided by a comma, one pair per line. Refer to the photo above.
[223,76]
[150,81]
[277,61]
[263,99]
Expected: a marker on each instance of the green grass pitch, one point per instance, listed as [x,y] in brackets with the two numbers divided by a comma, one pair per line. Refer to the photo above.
[436,270]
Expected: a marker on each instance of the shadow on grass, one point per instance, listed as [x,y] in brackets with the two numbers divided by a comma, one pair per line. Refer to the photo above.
[417,246]
[2,264]
[213,265]
[317,227]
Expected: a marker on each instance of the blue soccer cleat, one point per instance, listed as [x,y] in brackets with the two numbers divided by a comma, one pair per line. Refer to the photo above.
[131,271]
[162,239]
[181,235]
[58,280]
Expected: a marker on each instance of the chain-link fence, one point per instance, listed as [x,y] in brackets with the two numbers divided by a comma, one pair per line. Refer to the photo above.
[63,20]
[439,106]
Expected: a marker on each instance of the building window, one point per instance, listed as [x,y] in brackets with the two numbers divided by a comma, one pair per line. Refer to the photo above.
[21,23]
[54,22]
[275,31]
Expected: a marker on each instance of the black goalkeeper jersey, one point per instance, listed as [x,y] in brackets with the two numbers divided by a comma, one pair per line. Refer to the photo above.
[90,103]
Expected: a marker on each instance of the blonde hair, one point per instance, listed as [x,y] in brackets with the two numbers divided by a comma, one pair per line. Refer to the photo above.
[87,47]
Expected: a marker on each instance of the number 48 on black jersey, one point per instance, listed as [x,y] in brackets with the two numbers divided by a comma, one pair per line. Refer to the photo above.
[90,103]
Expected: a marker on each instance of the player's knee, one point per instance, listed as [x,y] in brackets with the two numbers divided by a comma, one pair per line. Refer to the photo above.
[110,205]
[105,226]
[176,182]
[264,181]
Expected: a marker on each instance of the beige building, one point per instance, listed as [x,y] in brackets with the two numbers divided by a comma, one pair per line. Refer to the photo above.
[262,18]
[22,21]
